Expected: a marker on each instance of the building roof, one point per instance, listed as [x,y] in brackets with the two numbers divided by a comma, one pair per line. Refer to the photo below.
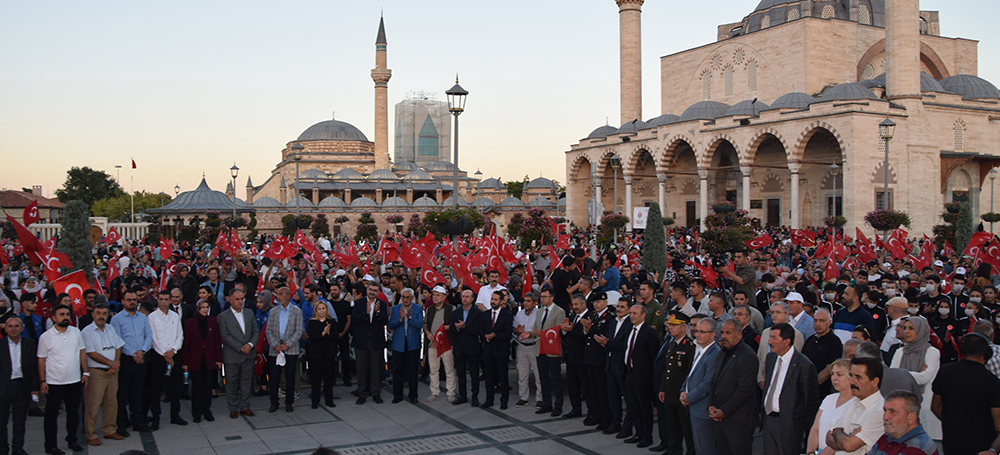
[201,200]
[418,174]
[425,201]
[347,173]
[395,202]
[511,202]
[491,183]
[794,100]
[971,87]
[539,201]
[751,108]
[405,166]
[439,166]
[380,39]
[332,201]
[602,131]
[705,110]
[21,199]
[312,174]
[482,202]
[382,174]
[364,202]
[631,127]
[299,202]
[450,202]
[927,83]
[332,130]
[266,201]
[847,92]
[765,4]
[541,182]
[664,119]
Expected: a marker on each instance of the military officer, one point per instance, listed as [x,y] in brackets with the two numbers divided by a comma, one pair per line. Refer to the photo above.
[680,354]
[595,358]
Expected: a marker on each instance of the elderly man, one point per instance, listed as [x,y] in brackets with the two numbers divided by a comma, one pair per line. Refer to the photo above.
[732,400]
[697,387]
[903,432]
[437,321]
[405,322]
[823,348]
[797,317]
[284,330]
[18,381]
[791,398]
[370,316]
[741,314]
[779,315]
[238,331]
[895,309]
[104,349]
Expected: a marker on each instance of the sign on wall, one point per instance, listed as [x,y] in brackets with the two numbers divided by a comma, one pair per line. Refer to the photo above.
[639,216]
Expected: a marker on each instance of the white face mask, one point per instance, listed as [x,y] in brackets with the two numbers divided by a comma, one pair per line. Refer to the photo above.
[870,304]
[830,296]
[957,288]
[944,311]
[975,299]
[970,312]
[768,286]
[931,286]
[923,289]
[890,292]
[912,310]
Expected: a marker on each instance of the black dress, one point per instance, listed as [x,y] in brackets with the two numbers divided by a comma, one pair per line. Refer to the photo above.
[322,354]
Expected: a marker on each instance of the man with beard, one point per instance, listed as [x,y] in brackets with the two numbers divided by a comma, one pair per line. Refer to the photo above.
[133,328]
[103,348]
[62,367]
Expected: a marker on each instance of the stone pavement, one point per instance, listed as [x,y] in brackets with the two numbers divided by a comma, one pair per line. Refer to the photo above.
[403,428]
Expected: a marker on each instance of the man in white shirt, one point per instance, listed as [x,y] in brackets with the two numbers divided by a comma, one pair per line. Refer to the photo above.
[895,309]
[104,349]
[527,350]
[485,292]
[168,337]
[62,366]
[860,426]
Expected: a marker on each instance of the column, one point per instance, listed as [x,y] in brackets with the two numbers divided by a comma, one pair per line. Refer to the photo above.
[703,196]
[600,202]
[662,194]
[796,210]
[628,201]
[745,170]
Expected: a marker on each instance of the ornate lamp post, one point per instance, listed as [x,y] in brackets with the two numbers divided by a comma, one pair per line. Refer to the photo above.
[993,179]
[456,104]
[885,130]
[234,171]
[297,150]
[834,173]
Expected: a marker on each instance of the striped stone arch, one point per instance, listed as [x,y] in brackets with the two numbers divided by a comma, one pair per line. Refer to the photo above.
[705,159]
[574,168]
[632,161]
[750,153]
[666,157]
[806,134]
[602,162]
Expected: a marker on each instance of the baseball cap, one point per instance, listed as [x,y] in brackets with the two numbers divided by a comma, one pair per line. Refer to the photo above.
[938,263]
[368,278]
[794,297]
[440,289]
[960,271]
[898,302]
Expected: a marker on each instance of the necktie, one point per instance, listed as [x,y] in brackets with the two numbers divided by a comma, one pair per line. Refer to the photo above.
[769,403]
[631,347]
[16,361]
[494,319]
[544,316]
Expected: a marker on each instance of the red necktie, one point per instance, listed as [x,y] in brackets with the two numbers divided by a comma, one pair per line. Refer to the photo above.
[631,347]
[494,318]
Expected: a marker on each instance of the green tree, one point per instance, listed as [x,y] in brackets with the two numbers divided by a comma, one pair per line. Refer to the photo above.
[117,207]
[516,188]
[963,227]
[252,226]
[654,255]
[75,240]
[367,230]
[87,185]
[320,227]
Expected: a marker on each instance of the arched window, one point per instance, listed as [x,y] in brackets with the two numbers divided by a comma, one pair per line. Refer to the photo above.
[765,22]
[959,136]
[924,28]
[828,12]
[793,14]
[728,80]
[864,15]
[706,85]
[869,72]
[752,77]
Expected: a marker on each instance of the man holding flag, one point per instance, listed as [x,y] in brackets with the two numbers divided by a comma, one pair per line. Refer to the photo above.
[439,345]
[550,354]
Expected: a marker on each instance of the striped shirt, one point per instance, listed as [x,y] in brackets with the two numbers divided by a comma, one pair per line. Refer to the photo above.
[914,442]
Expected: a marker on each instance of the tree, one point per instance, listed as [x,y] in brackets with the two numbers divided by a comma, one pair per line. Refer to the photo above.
[654,255]
[118,206]
[963,227]
[320,227]
[367,230]
[516,188]
[75,241]
[87,185]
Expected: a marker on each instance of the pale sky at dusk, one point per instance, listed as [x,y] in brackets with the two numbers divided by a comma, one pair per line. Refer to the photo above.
[189,87]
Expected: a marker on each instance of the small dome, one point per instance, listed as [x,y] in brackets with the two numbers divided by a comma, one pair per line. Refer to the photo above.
[561,202]
[482,202]
[751,108]
[332,130]
[450,202]
[312,174]
[266,202]
[395,202]
[511,202]
[705,110]
[602,131]
[539,201]
[540,182]
[491,184]
[418,174]
[664,119]
[364,202]
[299,202]
[405,166]
[927,83]
[425,201]
[847,92]
[382,174]
[971,87]
[631,127]
[439,166]
[794,100]
[332,201]
[348,173]
[765,4]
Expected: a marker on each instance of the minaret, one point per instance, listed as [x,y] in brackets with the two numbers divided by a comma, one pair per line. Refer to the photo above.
[630,41]
[381,75]
[902,49]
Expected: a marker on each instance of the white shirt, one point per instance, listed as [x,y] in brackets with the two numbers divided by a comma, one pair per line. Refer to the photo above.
[167,332]
[890,336]
[15,359]
[527,321]
[628,342]
[778,379]
[239,319]
[486,292]
[104,341]
[867,414]
[619,325]
[61,352]
[699,352]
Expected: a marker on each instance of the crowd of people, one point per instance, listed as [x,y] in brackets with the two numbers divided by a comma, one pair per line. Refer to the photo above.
[878,357]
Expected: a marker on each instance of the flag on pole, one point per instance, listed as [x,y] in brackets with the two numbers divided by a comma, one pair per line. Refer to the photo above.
[74,285]
[133,163]
[30,213]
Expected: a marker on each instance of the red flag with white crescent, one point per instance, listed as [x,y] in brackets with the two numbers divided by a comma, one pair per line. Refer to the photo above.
[430,277]
[97,287]
[30,214]
[864,246]
[975,243]
[528,277]
[802,237]
[428,244]
[948,250]
[29,243]
[235,244]
[759,242]
[412,255]
[113,236]
[551,342]
[73,284]
[895,244]
[563,242]
[52,263]
[441,342]
[388,250]
[112,272]
[992,254]
[832,271]
[260,284]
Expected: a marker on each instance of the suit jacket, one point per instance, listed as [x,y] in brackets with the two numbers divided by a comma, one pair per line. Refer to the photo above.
[660,362]
[29,367]
[699,382]
[503,329]
[293,331]
[368,330]
[465,341]
[799,398]
[575,341]
[734,387]
[322,347]
[195,346]
[616,346]
[555,317]
[413,328]
[765,348]
[647,343]
[595,355]
[750,337]
[678,364]
[233,339]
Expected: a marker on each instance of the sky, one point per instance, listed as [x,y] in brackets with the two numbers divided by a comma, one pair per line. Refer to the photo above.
[192,87]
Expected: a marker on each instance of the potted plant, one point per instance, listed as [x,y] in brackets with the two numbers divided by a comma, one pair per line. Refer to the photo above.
[394,219]
[723,207]
[454,221]
[835,221]
[991,217]
[953,207]
[887,220]
[212,219]
[668,221]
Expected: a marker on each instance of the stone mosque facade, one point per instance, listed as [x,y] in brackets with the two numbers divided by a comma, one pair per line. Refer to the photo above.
[760,116]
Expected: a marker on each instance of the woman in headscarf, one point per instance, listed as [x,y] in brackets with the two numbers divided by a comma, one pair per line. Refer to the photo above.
[922,361]
[202,358]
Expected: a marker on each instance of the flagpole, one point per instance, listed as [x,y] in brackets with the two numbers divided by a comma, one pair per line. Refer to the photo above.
[131,188]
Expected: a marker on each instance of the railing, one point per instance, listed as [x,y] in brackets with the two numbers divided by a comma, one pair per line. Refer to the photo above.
[128,231]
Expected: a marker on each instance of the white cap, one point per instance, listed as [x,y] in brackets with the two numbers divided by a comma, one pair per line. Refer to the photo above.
[368,278]
[340,272]
[794,297]
[960,270]
[938,263]
[440,289]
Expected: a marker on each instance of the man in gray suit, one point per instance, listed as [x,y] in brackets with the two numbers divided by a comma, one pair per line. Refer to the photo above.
[697,387]
[239,331]
[791,394]
[284,330]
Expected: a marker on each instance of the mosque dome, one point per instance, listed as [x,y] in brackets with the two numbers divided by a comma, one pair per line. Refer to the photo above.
[299,202]
[847,92]
[382,174]
[541,183]
[539,201]
[439,166]
[971,87]
[751,108]
[405,166]
[705,110]
[766,4]
[332,201]
[348,173]
[482,202]
[364,202]
[332,130]
[631,127]
[491,184]
[425,201]
[418,174]
[664,119]
[794,100]
[266,201]
[511,201]
[312,174]
[602,131]
[395,202]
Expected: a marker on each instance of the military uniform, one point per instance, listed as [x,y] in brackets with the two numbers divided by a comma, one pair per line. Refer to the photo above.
[595,358]
[679,357]
[655,316]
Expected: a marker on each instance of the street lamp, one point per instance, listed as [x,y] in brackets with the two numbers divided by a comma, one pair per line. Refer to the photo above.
[456,104]
[834,172]
[993,179]
[885,131]
[234,171]
[297,150]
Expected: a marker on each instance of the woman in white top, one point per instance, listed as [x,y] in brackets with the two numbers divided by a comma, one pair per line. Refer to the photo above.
[833,405]
[922,361]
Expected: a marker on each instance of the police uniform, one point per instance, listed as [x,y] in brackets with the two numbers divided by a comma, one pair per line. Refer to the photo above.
[680,354]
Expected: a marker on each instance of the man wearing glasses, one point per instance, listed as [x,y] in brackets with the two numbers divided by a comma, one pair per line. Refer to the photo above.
[134,329]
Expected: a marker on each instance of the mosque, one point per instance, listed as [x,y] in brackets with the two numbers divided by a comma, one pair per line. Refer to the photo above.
[781,116]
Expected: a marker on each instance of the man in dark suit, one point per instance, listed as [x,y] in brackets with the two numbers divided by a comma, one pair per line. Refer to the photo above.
[369,319]
[750,336]
[733,394]
[595,358]
[641,348]
[791,396]
[16,393]
[497,327]
[574,341]
[464,336]
[614,369]
[673,418]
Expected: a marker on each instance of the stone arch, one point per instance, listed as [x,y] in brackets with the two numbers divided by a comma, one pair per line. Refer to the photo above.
[807,134]
[667,157]
[578,163]
[750,153]
[928,57]
[706,158]
[635,155]
[604,162]
[878,174]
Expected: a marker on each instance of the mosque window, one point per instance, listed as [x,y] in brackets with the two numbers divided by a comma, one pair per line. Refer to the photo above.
[752,77]
[959,136]
[924,28]
[706,86]
[738,57]
[793,14]
[869,72]
[864,15]
[828,12]
[765,22]
[728,75]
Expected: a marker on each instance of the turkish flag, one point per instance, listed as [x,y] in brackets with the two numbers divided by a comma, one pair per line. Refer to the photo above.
[864,247]
[112,237]
[802,237]
[991,254]
[895,245]
[260,284]
[30,214]
[112,271]
[133,163]
[413,255]
[461,247]
[553,257]
[73,284]
[52,263]
[280,249]
[948,250]
[430,277]
[832,272]
[975,243]
[527,280]
[301,241]
[428,243]
[441,342]
[926,255]
[29,242]
[97,287]
[759,242]
[235,244]
[551,342]
[707,274]
[388,250]
[563,242]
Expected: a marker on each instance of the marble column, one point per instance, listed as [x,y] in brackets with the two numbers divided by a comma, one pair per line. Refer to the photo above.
[703,197]
[745,170]
[796,210]
[628,201]
[662,193]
